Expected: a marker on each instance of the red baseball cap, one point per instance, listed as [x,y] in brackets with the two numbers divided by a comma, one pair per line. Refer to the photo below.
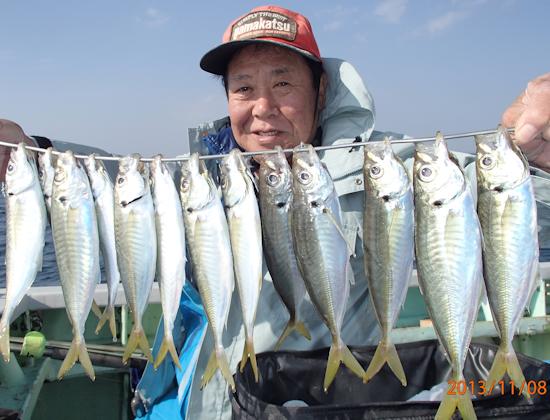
[267,24]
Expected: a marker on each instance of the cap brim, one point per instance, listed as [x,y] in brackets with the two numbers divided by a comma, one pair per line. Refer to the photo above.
[215,61]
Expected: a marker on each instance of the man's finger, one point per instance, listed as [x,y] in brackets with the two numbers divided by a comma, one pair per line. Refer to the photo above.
[535,119]
[513,112]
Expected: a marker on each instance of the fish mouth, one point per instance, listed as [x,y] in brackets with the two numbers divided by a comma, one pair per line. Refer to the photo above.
[127,203]
[498,189]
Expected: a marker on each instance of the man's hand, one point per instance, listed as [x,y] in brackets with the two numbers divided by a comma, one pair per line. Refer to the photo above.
[12,133]
[530,115]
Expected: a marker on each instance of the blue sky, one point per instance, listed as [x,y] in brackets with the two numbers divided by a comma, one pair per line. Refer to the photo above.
[124,75]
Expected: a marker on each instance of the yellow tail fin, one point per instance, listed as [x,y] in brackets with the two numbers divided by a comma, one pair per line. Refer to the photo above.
[95,309]
[77,352]
[451,402]
[108,314]
[292,325]
[339,353]
[386,352]
[137,338]
[5,342]
[506,361]
[167,346]
[248,351]
[218,360]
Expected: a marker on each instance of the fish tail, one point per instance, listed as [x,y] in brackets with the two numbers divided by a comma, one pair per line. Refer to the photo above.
[292,325]
[108,314]
[5,341]
[339,353]
[95,309]
[77,352]
[248,351]
[506,361]
[386,353]
[218,360]
[167,346]
[451,402]
[137,339]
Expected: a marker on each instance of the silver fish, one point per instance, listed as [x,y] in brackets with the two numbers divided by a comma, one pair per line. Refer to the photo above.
[275,185]
[322,251]
[76,241]
[508,215]
[25,229]
[103,191]
[209,246]
[46,172]
[171,257]
[245,230]
[136,244]
[448,256]
[388,223]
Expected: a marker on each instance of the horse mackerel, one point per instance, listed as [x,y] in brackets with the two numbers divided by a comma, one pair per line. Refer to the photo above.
[275,185]
[508,216]
[46,173]
[76,242]
[136,244]
[448,256]
[389,245]
[322,251]
[103,192]
[208,240]
[170,252]
[25,230]
[245,230]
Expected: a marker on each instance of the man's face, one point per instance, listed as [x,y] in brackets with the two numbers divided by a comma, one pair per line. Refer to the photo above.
[271,98]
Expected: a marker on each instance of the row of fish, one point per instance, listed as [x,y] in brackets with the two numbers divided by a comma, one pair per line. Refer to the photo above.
[143,234]
[87,214]
[459,246]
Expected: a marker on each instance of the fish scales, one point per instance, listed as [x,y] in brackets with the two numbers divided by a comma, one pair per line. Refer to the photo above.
[448,256]
[508,216]
[171,257]
[245,231]
[25,231]
[136,244]
[103,191]
[389,245]
[76,241]
[208,240]
[275,185]
[322,251]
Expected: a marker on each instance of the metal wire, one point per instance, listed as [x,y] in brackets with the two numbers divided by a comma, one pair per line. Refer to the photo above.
[268,152]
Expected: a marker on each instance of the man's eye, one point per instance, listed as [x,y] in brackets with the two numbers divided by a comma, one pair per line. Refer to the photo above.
[243,89]
[282,84]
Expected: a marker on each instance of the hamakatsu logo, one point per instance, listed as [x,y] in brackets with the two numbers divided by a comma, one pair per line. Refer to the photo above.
[264,24]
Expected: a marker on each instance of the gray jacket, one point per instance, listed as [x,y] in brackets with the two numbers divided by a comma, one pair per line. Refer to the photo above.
[349,112]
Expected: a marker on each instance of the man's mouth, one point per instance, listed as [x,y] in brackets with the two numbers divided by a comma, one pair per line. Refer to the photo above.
[270,133]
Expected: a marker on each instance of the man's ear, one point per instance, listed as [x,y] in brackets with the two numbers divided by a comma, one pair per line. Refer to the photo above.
[322,92]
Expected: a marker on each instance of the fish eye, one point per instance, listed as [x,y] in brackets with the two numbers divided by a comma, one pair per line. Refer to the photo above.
[185,185]
[11,167]
[272,179]
[304,177]
[59,175]
[487,162]
[375,171]
[426,173]
[120,181]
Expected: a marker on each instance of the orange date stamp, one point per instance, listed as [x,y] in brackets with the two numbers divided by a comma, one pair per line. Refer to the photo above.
[481,387]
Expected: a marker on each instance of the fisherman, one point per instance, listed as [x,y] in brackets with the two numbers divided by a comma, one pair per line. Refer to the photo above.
[280,91]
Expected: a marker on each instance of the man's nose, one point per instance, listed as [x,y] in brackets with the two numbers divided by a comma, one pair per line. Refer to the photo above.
[265,106]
